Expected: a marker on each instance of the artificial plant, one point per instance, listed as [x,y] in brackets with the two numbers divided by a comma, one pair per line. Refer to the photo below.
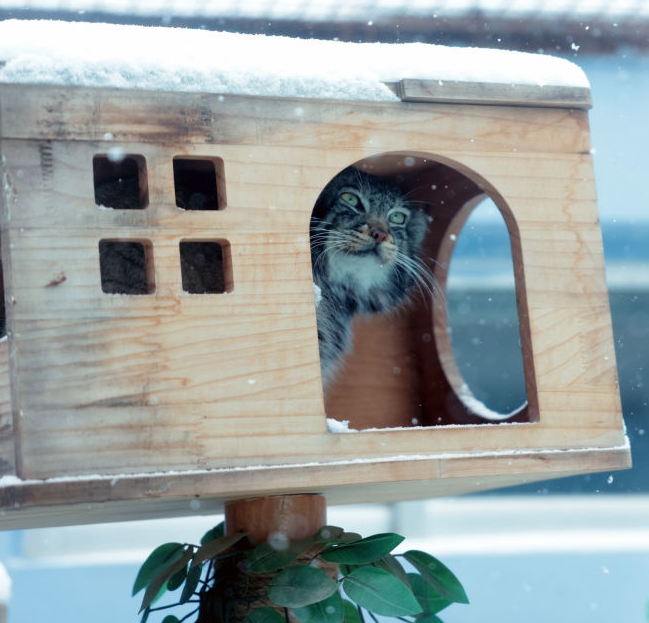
[332,576]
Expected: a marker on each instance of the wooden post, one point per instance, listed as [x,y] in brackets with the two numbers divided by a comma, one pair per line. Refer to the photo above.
[293,516]
[275,519]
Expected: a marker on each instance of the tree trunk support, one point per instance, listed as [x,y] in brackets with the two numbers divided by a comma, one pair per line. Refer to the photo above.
[275,519]
[294,516]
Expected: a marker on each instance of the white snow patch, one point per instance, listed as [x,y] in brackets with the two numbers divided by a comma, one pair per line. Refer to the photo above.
[338,426]
[317,294]
[479,408]
[10,481]
[177,59]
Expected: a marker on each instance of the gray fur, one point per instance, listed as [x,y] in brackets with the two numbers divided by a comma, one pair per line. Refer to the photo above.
[365,261]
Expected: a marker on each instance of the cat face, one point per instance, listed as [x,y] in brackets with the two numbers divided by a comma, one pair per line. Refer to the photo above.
[366,234]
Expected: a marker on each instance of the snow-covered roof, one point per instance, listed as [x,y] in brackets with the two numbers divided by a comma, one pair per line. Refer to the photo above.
[108,55]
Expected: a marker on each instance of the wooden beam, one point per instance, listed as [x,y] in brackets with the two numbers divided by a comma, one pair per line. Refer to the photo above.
[490,93]
[31,504]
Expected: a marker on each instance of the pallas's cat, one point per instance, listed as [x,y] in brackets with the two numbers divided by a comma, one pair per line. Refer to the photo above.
[365,241]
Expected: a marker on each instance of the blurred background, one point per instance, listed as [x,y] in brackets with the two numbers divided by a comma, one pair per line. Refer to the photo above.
[574,549]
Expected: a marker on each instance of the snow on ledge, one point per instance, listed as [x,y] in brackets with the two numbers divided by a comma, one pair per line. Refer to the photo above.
[177,59]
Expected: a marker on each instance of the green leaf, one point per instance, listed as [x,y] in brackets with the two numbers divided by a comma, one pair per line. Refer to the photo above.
[333,535]
[300,585]
[380,592]
[177,579]
[213,548]
[160,558]
[429,599]
[158,585]
[427,617]
[440,577]
[170,618]
[213,533]
[351,613]
[349,537]
[364,551]
[328,534]
[329,610]
[392,565]
[267,557]
[193,578]
[264,615]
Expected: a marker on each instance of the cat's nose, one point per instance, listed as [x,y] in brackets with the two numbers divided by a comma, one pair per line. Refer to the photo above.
[379,234]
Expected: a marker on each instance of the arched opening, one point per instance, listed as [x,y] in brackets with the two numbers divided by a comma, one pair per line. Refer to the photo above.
[482,314]
[402,370]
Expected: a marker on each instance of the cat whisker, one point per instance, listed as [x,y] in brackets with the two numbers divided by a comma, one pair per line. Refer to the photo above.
[422,277]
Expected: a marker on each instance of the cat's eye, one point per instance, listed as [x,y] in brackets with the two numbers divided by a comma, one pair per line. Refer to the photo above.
[398,217]
[350,199]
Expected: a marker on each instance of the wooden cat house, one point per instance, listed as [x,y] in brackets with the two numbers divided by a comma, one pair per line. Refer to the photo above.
[200,381]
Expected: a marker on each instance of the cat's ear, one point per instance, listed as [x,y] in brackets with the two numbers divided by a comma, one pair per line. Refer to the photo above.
[324,202]
[351,176]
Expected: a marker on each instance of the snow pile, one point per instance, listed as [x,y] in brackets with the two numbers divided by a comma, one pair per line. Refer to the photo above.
[338,426]
[176,59]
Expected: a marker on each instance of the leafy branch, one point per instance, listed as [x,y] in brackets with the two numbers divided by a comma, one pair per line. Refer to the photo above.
[370,581]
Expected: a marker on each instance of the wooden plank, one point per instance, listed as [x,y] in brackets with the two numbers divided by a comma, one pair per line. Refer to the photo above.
[7,439]
[159,349]
[44,112]
[134,437]
[7,430]
[122,497]
[491,93]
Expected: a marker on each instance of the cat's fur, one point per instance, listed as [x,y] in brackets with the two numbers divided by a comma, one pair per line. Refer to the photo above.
[365,241]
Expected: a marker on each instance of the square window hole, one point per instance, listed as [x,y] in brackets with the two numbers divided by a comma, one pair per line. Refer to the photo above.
[120,181]
[199,183]
[126,266]
[205,267]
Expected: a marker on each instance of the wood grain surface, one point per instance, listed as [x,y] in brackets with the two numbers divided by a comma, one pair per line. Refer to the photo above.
[129,387]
